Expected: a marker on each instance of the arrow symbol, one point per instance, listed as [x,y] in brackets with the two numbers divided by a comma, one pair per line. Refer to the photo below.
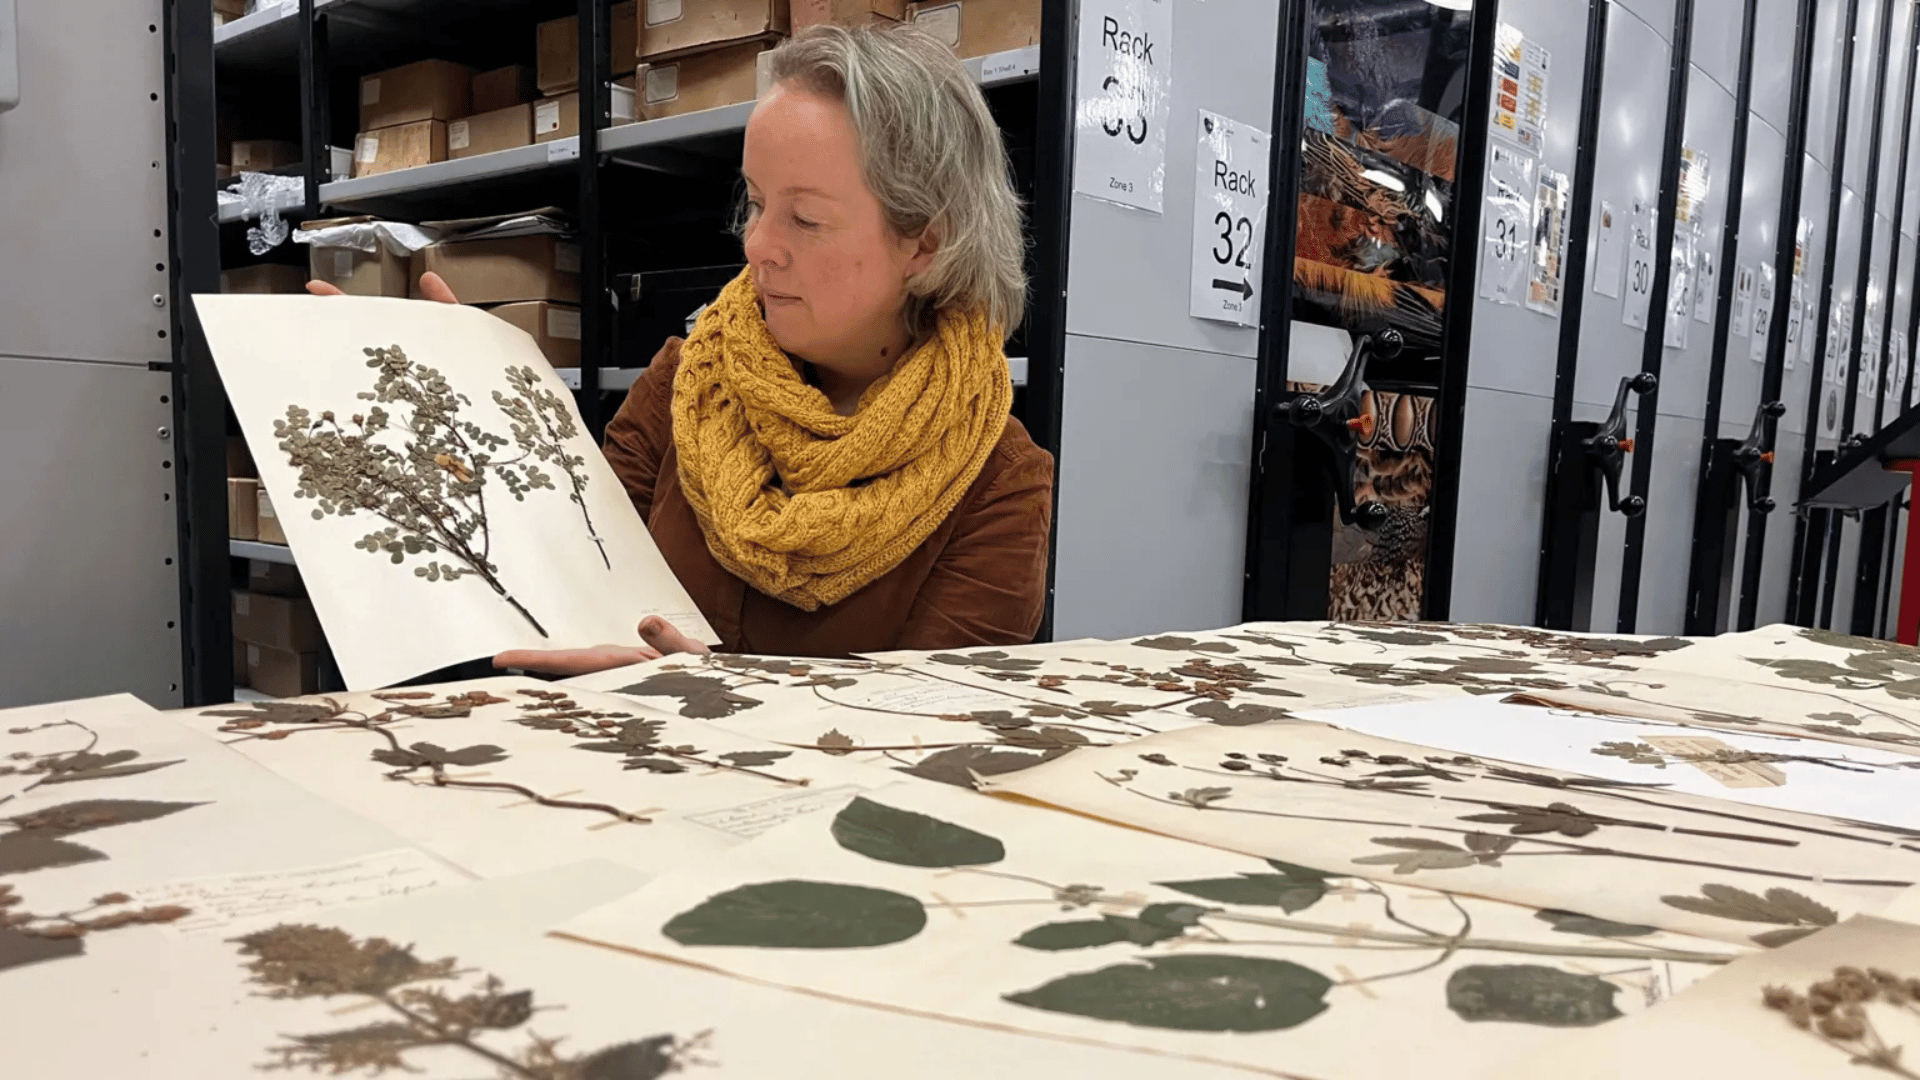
[1244,288]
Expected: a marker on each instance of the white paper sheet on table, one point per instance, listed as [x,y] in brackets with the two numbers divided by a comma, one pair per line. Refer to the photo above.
[56,728]
[1842,781]
[385,623]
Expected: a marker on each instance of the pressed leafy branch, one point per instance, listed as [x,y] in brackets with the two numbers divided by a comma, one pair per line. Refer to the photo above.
[835,743]
[958,765]
[701,697]
[992,660]
[542,422]
[907,838]
[1292,888]
[1800,915]
[1155,923]
[1239,715]
[1530,994]
[800,915]
[427,1009]
[1189,993]
[1418,853]
[424,755]
[1200,798]
[1572,922]
[1559,817]
[1835,1010]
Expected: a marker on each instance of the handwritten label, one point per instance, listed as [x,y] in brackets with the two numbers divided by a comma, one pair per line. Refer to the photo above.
[751,819]
[937,699]
[234,900]
[1695,750]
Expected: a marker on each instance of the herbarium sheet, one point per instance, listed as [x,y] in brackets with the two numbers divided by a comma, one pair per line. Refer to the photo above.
[505,775]
[926,900]
[436,483]
[1630,852]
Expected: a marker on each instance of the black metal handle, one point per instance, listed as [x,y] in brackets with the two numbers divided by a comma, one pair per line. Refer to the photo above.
[1607,449]
[1337,415]
[1755,453]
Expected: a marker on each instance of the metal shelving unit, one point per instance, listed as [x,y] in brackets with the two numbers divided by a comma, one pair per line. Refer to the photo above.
[311,52]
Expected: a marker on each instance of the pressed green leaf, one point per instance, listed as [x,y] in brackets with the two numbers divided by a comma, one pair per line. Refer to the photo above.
[25,852]
[1572,922]
[1530,994]
[1189,993]
[1080,934]
[1286,891]
[69,819]
[800,915]
[1174,916]
[1773,939]
[18,949]
[645,1059]
[906,838]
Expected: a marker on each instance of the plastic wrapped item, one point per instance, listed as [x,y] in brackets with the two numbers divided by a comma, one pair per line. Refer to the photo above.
[263,196]
[360,234]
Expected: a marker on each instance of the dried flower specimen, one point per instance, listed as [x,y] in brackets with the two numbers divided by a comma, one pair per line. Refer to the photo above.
[303,961]
[1782,907]
[1835,1010]
[431,488]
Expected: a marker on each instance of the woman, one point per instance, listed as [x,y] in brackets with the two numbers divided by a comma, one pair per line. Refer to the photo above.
[827,462]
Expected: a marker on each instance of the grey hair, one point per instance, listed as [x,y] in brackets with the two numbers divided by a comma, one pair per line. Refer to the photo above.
[933,156]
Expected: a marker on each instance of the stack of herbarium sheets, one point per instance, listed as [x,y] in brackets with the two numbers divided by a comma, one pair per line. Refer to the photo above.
[1292,850]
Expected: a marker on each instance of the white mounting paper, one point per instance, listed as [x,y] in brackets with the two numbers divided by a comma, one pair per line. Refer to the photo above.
[385,620]
[1639,281]
[1552,196]
[1124,97]
[1229,219]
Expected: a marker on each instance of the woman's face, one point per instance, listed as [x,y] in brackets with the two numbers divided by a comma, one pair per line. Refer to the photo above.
[832,273]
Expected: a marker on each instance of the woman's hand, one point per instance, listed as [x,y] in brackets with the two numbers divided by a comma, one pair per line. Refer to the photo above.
[432,287]
[660,636]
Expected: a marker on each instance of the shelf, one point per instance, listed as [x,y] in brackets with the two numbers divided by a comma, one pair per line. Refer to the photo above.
[610,378]
[1001,69]
[289,203]
[266,40]
[427,181]
[253,549]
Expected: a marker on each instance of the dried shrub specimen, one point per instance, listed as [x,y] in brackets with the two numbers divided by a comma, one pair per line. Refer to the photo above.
[1835,1011]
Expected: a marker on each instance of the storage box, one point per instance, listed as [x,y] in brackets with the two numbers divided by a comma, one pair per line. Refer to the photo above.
[279,673]
[240,664]
[707,80]
[978,27]
[670,28]
[557,48]
[554,327]
[427,90]
[243,509]
[230,8]
[508,270]
[280,622]
[274,579]
[360,273]
[259,155]
[559,117]
[484,133]
[264,278]
[846,12]
[405,147]
[239,460]
[268,522]
[502,88]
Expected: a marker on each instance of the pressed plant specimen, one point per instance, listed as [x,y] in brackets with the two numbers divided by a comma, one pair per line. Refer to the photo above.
[426,475]
[427,1009]
[1834,1010]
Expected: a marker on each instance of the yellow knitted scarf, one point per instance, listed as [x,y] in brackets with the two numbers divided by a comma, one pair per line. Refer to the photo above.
[804,504]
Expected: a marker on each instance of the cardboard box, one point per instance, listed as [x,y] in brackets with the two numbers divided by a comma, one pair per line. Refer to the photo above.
[502,88]
[671,28]
[268,522]
[978,27]
[554,327]
[259,155]
[484,133]
[705,80]
[507,271]
[360,273]
[846,12]
[557,48]
[233,9]
[264,278]
[559,117]
[243,509]
[405,147]
[427,90]
[274,579]
[279,673]
[239,460]
[240,664]
[280,622]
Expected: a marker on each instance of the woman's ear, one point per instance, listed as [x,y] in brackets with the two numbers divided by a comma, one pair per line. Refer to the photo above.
[921,250]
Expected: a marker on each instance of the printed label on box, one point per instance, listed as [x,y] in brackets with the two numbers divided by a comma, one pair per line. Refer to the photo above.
[566,258]
[343,263]
[370,91]
[546,117]
[562,323]
[664,11]
[266,505]
[942,22]
[459,135]
[623,105]
[243,605]
[253,656]
[663,83]
[369,149]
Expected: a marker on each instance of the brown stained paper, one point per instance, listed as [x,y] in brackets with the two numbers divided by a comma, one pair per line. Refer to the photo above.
[1723,1026]
[1698,751]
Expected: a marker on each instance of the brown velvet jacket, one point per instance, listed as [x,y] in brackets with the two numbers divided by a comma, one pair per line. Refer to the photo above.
[980,579]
